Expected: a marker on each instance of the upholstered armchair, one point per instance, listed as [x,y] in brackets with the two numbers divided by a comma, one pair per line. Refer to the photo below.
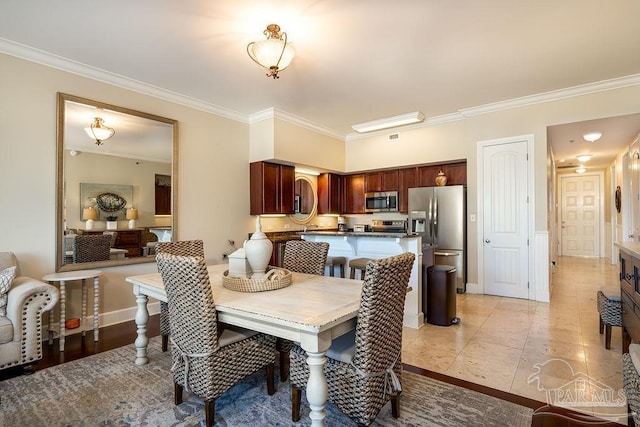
[21,318]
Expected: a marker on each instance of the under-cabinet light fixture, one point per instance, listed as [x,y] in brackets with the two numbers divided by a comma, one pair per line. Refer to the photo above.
[390,122]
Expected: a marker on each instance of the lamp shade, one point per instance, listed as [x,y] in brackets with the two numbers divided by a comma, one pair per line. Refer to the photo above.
[98,131]
[132,213]
[89,214]
[275,53]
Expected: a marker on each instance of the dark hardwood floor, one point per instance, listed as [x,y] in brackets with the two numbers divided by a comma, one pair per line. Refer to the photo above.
[76,346]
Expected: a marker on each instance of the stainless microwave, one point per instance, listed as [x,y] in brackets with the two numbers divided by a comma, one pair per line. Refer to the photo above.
[386,201]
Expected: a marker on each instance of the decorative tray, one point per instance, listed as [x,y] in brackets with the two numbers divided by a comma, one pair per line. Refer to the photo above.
[275,278]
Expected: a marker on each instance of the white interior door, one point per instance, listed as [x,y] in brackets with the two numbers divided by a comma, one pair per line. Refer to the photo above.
[580,215]
[505,219]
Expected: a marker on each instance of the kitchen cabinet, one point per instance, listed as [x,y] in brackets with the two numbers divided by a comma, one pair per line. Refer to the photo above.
[407,178]
[272,188]
[386,180]
[329,194]
[456,174]
[353,194]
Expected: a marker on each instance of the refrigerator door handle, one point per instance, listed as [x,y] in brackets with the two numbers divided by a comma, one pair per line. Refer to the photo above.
[431,219]
[435,218]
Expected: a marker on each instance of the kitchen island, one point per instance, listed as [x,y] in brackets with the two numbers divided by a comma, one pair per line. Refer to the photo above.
[375,246]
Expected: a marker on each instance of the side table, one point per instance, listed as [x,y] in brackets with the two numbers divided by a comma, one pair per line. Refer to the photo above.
[62,278]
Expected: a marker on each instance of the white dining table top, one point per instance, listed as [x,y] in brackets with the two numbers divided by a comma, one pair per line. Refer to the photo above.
[312,303]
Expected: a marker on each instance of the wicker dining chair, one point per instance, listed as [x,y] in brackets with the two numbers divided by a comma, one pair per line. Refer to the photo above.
[207,361]
[300,256]
[182,248]
[91,248]
[363,367]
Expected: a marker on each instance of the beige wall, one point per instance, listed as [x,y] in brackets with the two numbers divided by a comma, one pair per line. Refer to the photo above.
[213,178]
[214,157]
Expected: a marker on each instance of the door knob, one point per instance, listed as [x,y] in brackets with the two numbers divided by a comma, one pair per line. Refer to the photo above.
[487,241]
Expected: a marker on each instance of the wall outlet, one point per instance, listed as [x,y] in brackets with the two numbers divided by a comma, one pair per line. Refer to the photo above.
[287,226]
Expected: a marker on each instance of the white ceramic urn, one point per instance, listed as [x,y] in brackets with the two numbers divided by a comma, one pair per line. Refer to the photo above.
[258,251]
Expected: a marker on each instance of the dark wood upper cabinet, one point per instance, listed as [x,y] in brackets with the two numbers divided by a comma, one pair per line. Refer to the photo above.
[353,194]
[329,194]
[408,178]
[272,188]
[456,174]
[381,180]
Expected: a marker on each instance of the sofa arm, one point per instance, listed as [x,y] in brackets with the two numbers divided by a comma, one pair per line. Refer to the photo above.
[27,300]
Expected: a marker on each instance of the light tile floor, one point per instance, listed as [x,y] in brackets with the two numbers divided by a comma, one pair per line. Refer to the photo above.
[500,342]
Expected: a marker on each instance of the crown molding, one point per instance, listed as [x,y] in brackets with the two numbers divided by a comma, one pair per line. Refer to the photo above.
[554,95]
[54,61]
[275,113]
[64,64]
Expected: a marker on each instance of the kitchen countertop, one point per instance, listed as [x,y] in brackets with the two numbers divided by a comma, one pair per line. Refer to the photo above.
[358,234]
[632,248]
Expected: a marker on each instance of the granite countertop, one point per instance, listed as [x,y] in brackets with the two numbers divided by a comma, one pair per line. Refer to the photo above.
[358,234]
[632,248]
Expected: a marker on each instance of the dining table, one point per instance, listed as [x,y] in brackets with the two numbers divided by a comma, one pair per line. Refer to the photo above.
[311,311]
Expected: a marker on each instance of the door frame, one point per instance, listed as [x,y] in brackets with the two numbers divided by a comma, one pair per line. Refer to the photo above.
[600,208]
[529,140]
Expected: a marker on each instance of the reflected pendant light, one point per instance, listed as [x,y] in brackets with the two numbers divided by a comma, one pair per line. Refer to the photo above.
[99,131]
[273,54]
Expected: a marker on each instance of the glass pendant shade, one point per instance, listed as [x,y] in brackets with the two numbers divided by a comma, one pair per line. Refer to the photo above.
[273,54]
[99,131]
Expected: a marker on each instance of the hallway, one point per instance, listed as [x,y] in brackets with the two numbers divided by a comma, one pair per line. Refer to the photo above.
[500,340]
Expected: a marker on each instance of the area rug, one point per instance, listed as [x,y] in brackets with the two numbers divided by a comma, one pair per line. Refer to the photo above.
[108,389]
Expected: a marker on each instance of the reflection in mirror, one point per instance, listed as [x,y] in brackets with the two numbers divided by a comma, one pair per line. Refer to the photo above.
[306,200]
[109,160]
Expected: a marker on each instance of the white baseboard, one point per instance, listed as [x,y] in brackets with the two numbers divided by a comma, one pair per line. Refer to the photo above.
[413,321]
[474,288]
[107,319]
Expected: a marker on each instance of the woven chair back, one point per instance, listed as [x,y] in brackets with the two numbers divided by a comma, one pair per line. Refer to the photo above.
[379,326]
[114,236]
[182,248]
[305,257]
[192,312]
[91,248]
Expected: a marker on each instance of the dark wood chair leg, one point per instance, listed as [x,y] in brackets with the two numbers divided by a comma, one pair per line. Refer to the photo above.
[165,342]
[395,405]
[209,412]
[352,274]
[270,368]
[331,270]
[284,366]
[607,337]
[296,396]
[177,393]
[601,326]
[342,270]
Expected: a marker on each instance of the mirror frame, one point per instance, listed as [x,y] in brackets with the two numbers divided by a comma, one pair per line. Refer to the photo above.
[60,179]
[314,210]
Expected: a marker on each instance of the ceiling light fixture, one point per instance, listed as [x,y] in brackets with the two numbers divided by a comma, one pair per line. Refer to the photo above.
[389,122]
[581,169]
[584,158]
[273,54]
[99,131]
[592,136]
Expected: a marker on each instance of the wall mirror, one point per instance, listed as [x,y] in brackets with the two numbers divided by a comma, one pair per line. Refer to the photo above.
[306,200]
[114,166]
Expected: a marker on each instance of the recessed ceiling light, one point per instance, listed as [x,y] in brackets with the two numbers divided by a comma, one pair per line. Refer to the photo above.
[592,136]
[389,122]
[584,158]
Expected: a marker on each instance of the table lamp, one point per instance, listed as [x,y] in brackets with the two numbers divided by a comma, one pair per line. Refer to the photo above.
[132,215]
[89,214]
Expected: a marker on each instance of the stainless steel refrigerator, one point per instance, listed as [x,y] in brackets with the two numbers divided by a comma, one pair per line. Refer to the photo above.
[439,215]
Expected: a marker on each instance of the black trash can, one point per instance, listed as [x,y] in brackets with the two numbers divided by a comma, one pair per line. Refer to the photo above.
[439,297]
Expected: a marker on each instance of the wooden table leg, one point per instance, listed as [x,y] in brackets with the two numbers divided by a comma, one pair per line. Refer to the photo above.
[63,300]
[96,307]
[83,314]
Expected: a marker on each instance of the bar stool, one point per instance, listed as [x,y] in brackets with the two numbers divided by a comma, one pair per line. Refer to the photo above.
[333,262]
[358,264]
[610,309]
